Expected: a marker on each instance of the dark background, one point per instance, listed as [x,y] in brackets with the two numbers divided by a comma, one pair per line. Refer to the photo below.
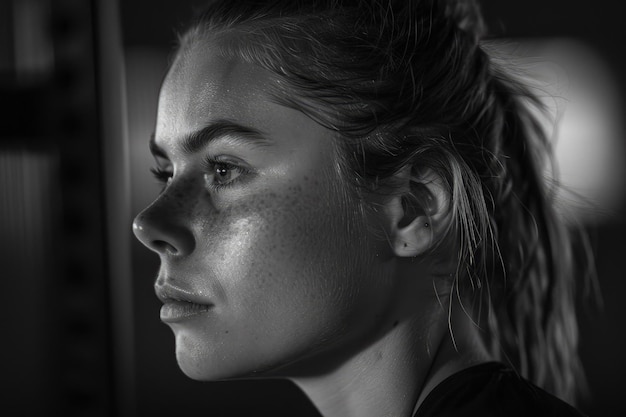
[81,330]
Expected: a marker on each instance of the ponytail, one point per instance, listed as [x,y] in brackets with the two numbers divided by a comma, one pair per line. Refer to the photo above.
[532,312]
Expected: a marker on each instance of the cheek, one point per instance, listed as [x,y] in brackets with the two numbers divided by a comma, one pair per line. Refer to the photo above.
[290,254]
[292,274]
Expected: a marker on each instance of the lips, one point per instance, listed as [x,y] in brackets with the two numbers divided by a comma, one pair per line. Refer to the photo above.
[179,304]
[177,311]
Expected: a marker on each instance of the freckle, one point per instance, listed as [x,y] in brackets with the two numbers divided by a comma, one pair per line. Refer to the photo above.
[226,332]
[395,323]
[306,178]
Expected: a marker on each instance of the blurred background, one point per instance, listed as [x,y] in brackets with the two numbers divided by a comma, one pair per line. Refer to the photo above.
[78,89]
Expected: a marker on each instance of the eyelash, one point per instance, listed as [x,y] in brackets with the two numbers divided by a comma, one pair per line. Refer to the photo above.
[210,164]
[160,175]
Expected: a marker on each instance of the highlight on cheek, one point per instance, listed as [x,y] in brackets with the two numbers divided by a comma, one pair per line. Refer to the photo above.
[231,244]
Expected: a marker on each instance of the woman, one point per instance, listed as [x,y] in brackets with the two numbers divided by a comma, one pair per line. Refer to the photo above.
[354,199]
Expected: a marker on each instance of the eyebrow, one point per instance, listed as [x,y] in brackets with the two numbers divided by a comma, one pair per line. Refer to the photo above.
[218,129]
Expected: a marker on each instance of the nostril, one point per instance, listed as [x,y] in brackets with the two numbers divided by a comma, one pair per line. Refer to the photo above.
[163,246]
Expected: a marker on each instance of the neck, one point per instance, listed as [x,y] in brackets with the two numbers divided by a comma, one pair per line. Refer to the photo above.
[382,380]
[393,375]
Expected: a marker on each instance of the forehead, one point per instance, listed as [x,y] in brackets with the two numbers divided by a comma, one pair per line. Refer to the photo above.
[203,85]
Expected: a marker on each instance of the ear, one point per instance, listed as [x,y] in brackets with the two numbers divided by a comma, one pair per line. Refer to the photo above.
[419,217]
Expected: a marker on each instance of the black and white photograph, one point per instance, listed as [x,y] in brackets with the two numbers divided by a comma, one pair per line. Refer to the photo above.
[313,208]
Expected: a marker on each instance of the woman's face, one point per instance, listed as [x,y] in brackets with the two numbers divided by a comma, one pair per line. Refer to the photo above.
[265,261]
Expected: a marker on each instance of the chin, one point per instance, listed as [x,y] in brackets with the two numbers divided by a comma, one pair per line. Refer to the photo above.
[222,370]
[201,364]
[203,369]
[195,360]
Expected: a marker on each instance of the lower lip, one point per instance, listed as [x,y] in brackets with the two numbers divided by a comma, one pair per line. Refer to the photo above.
[175,311]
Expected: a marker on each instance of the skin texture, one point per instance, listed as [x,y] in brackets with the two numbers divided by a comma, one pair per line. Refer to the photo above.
[268,251]
[294,274]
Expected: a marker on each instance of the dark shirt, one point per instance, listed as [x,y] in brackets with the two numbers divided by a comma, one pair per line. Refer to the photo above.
[491,390]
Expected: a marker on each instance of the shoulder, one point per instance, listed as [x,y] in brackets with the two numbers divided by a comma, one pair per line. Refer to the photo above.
[492,389]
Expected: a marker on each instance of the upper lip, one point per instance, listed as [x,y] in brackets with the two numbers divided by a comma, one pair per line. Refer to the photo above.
[168,292]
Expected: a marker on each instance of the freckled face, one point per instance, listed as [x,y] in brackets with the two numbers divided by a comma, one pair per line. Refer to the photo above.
[265,261]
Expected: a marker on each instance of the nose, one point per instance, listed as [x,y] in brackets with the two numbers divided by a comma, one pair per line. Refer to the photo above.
[163,229]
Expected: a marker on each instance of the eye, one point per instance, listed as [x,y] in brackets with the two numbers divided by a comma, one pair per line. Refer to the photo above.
[223,174]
